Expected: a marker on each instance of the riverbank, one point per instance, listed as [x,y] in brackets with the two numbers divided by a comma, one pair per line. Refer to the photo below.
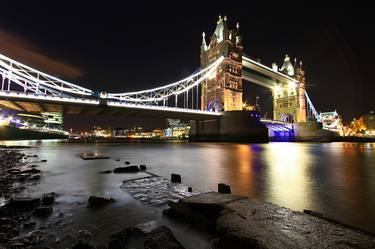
[354,139]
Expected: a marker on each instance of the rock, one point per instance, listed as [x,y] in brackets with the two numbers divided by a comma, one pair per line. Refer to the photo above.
[48,199]
[22,203]
[175,178]
[223,188]
[32,171]
[105,172]
[190,189]
[30,239]
[84,233]
[83,245]
[29,225]
[35,178]
[127,162]
[22,177]
[143,167]
[95,201]
[43,211]
[43,161]
[117,160]
[161,238]
[118,240]
[68,236]
[143,228]
[129,169]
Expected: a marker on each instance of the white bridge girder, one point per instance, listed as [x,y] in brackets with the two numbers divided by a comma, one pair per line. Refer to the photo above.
[19,81]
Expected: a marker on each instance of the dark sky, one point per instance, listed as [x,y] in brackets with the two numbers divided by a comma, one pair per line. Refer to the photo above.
[126,47]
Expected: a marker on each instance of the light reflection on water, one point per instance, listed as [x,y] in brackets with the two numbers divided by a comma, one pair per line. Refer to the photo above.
[337,179]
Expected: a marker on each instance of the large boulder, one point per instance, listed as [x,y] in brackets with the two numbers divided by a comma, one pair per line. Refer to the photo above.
[129,169]
[43,211]
[95,201]
[223,188]
[175,178]
[161,238]
[142,167]
[48,199]
[22,203]
[118,240]
[83,245]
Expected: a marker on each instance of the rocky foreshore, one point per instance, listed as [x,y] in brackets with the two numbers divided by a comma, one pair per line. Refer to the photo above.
[17,170]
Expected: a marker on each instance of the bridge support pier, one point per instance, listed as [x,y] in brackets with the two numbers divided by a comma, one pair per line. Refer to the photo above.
[311,131]
[232,126]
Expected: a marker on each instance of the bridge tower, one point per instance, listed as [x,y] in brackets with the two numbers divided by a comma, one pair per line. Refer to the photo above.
[223,90]
[289,99]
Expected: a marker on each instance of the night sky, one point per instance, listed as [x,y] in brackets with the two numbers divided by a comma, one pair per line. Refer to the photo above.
[120,48]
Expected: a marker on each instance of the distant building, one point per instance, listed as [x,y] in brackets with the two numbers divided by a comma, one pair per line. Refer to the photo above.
[369,122]
[332,121]
[53,120]
[158,133]
[365,125]
[176,129]
[21,120]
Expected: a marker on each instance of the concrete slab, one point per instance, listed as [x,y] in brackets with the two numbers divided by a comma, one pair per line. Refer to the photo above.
[212,198]
[258,224]
[247,223]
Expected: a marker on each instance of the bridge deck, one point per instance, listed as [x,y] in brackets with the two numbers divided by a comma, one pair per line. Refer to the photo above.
[84,106]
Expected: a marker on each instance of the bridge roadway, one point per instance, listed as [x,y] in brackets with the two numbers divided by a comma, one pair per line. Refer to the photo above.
[30,102]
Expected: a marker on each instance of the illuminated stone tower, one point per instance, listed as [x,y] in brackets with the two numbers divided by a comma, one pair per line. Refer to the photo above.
[290,99]
[223,90]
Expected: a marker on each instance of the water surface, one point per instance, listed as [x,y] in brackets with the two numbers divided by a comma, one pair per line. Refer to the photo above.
[337,179]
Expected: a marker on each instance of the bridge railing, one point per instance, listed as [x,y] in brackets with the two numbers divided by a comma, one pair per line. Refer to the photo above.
[16,75]
[174,89]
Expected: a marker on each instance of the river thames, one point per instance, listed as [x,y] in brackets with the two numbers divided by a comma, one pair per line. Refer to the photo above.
[336,179]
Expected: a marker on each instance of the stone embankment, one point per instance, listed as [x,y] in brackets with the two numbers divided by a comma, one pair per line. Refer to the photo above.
[243,222]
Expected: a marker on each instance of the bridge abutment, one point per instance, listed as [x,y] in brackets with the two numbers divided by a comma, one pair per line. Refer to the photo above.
[232,126]
[312,131]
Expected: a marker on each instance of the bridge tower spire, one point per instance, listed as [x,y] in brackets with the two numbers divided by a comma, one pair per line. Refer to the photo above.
[222,91]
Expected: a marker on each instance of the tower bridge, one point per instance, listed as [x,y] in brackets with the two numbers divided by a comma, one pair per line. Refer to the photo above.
[211,97]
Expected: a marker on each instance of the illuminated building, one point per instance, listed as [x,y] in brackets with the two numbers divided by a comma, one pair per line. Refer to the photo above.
[290,100]
[369,121]
[332,121]
[21,120]
[158,133]
[365,125]
[53,120]
[176,129]
[223,90]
